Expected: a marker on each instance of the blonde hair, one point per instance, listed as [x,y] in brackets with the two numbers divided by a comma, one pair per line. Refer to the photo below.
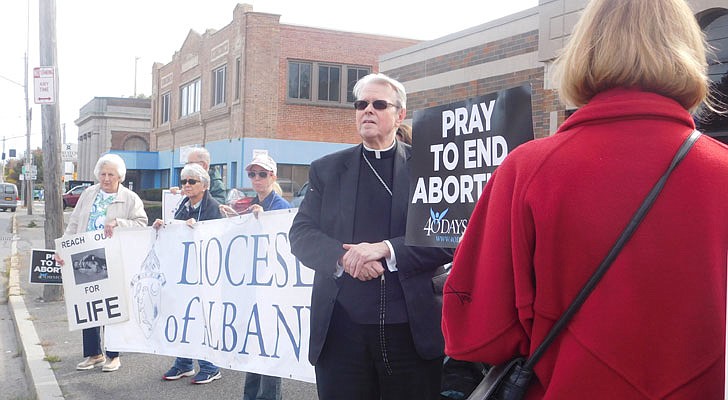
[404,133]
[652,45]
[277,188]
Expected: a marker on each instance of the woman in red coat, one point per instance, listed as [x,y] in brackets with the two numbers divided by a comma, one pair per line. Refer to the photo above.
[654,327]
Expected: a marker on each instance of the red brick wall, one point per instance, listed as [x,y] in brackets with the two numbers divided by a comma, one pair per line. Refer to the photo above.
[333,123]
[264,47]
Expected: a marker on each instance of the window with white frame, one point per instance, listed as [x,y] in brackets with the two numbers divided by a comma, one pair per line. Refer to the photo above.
[189,95]
[164,108]
[218,85]
[323,83]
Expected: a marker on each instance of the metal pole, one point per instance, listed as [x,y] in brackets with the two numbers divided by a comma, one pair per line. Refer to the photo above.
[136,59]
[28,155]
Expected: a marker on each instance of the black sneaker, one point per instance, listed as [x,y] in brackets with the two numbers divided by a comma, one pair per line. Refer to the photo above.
[175,373]
[203,377]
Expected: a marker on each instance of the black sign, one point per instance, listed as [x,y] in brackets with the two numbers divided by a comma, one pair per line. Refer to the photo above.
[456,148]
[43,268]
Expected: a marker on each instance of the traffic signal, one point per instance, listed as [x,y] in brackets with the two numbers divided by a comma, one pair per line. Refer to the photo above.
[12,153]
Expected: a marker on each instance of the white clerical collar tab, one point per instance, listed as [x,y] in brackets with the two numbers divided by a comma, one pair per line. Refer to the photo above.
[378,153]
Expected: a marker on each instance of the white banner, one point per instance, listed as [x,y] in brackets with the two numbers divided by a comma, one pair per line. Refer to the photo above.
[228,291]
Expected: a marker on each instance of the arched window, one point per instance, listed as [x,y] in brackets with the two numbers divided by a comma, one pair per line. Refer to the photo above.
[135,143]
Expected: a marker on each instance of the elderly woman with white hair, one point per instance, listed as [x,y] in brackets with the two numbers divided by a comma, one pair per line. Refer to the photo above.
[105,205]
[197,205]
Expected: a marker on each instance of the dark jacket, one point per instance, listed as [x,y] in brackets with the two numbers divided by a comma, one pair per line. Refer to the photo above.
[325,221]
[209,209]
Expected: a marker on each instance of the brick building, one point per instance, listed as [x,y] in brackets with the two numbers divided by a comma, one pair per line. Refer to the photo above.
[520,49]
[257,84]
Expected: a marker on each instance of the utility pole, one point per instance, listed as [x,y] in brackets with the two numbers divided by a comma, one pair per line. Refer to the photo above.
[136,60]
[51,145]
[28,153]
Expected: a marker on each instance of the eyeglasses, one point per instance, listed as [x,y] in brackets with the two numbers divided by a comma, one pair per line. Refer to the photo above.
[377,104]
[261,174]
[190,181]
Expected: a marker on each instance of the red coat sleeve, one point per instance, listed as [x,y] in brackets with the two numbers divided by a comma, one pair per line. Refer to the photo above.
[488,297]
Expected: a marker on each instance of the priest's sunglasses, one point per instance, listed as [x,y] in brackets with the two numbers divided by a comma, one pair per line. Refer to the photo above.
[361,105]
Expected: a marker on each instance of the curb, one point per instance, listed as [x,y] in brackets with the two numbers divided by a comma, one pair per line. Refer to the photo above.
[42,380]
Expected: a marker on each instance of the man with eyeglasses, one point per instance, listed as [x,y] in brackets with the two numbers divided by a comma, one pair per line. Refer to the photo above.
[375,322]
[200,155]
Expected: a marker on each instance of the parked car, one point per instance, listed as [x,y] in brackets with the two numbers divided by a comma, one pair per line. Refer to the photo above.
[8,196]
[240,199]
[299,195]
[70,198]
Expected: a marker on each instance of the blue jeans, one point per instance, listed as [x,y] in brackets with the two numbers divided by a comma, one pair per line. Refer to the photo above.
[188,364]
[92,343]
[261,387]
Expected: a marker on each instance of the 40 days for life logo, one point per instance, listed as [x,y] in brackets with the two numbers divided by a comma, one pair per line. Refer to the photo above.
[444,230]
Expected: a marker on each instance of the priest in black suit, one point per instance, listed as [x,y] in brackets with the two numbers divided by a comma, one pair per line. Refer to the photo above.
[375,323]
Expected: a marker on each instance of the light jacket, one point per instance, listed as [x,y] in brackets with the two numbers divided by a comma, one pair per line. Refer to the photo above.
[127,209]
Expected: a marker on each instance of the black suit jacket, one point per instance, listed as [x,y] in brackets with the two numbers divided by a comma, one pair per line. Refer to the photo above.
[325,221]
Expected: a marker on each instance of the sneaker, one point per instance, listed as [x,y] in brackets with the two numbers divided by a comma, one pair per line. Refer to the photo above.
[204,377]
[175,373]
[112,364]
[90,362]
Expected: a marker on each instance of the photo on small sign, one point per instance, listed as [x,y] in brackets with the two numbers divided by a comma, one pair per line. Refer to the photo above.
[89,266]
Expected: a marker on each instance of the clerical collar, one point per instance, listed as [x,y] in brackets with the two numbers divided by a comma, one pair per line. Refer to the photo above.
[379,153]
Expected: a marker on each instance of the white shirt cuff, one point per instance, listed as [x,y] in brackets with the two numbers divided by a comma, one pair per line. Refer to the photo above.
[339,270]
[392,259]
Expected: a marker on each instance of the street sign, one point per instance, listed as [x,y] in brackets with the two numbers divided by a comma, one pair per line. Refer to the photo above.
[44,80]
[69,152]
[29,173]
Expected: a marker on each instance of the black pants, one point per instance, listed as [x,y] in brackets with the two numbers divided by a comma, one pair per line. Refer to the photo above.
[352,365]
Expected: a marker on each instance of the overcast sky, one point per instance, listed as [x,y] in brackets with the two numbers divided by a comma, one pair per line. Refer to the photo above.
[98,41]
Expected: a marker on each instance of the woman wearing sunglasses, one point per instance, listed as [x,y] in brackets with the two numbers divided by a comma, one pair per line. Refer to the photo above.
[262,173]
[198,205]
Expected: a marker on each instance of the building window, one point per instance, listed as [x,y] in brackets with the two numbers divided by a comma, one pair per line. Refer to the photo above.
[218,87]
[352,77]
[715,27]
[164,108]
[189,98]
[329,83]
[237,78]
[322,83]
[299,80]
[291,178]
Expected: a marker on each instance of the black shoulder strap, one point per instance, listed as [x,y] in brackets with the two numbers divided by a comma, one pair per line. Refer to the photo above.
[604,266]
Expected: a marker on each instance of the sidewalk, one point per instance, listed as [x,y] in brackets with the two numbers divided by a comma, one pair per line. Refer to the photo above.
[42,328]
[39,373]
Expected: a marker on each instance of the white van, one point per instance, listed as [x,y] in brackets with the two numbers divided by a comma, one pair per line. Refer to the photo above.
[8,196]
